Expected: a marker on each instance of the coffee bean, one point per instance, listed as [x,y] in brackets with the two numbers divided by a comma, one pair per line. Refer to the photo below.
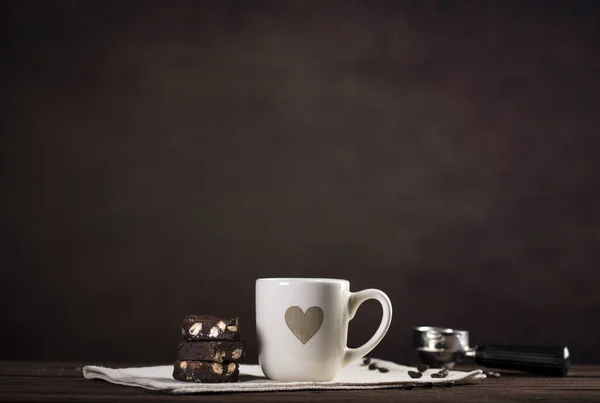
[443,373]
[414,374]
[429,385]
[383,369]
[373,366]
[422,367]
[436,375]
[366,361]
[496,375]
[409,386]
[489,373]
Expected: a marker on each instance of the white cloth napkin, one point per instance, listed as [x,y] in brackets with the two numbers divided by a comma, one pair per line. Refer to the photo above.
[355,376]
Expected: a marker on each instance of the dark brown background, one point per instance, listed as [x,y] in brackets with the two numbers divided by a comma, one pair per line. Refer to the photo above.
[158,157]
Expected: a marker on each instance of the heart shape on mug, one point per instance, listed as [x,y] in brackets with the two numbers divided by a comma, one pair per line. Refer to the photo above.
[304,325]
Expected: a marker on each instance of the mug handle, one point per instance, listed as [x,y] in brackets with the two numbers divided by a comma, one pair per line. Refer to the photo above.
[355,301]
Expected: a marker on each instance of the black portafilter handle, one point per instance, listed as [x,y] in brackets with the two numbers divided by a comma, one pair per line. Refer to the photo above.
[549,361]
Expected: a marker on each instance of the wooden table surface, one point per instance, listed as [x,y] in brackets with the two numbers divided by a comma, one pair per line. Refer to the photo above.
[62,381]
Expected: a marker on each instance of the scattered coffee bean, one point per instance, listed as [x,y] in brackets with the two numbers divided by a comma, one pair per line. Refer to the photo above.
[366,361]
[409,386]
[414,374]
[422,367]
[429,385]
[443,373]
[373,366]
[381,369]
[496,375]
[489,373]
[436,375]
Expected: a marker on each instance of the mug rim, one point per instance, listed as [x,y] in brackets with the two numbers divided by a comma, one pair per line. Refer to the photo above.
[303,279]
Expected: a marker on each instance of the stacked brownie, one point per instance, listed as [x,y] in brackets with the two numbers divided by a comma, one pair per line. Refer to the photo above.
[209,350]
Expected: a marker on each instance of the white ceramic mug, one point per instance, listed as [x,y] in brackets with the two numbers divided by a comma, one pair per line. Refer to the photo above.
[302,326]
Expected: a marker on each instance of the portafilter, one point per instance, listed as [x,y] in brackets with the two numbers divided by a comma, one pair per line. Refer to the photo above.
[443,347]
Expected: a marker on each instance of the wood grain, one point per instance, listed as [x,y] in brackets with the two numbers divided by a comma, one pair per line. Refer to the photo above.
[304,325]
[62,381]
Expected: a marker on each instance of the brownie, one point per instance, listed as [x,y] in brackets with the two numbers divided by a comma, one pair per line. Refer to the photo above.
[217,351]
[206,372]
[208,327]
